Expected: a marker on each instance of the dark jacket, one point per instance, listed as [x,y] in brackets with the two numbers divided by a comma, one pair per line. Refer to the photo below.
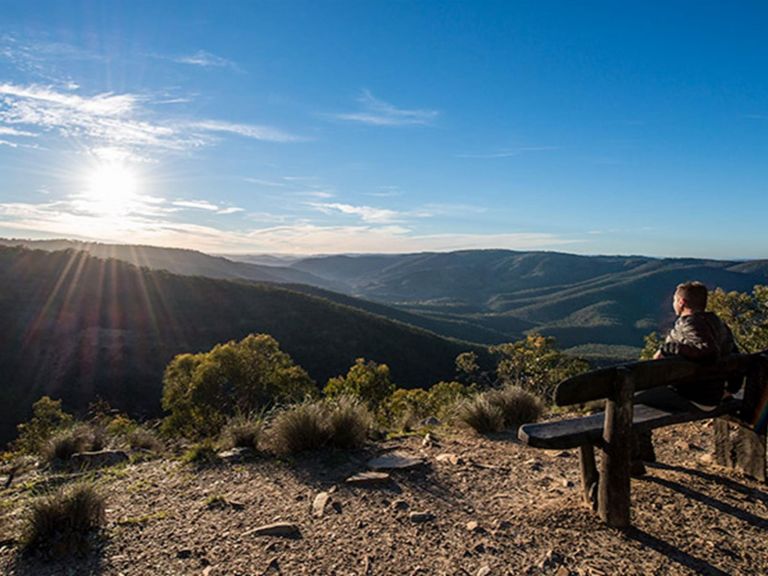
[702,337]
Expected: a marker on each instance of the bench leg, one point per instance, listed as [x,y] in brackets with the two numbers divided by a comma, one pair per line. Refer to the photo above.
[740,448]
[589,475]
[613,498]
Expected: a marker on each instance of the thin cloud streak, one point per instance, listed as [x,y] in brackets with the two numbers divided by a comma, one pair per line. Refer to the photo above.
[205,60]
[509,152]
[376,112]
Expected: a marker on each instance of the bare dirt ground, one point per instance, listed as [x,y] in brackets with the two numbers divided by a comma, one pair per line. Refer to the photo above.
[496,508]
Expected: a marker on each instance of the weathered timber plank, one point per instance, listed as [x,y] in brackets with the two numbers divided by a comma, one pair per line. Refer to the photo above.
[589,475]
[740,448]
[755,407]
[649,374]
[575,432]
[613,493]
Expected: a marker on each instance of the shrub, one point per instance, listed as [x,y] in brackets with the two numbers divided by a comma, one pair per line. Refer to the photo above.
[517,405]
[367,381]
[47,418]
[120,425]
[201,391]
[243,432]
[202,454]
[348,422]
[62,522]
[142,439]
[480,414]
[405,408]
[62,446]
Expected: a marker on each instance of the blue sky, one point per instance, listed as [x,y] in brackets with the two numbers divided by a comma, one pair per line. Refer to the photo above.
[325,127]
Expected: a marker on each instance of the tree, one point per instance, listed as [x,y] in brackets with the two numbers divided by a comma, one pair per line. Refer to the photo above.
[368,381]
[47,418]
[202,390]
[746,314]
[535,364]
[652,343]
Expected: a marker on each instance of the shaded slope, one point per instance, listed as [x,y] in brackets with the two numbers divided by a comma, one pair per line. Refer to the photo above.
[76,327]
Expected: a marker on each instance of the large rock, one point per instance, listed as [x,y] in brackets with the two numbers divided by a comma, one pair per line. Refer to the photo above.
[395,461]
[99,459]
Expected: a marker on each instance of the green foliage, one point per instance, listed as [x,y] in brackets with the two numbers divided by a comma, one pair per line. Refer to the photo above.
[61,523]
[467,367]
[405,408]
[202,454]
[367,381]
[243,432]
[47,418]
[120,426]
[746,314]
[202,390]
[535,364]
[652,343]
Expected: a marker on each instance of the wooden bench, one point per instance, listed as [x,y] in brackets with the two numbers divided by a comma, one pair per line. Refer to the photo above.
[740,436]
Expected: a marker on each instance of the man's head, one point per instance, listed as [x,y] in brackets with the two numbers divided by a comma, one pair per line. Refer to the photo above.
[690,297]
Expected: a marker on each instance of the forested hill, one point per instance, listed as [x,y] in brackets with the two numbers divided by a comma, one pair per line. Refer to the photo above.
[75,327]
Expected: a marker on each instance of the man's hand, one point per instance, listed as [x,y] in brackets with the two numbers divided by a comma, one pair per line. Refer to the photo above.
[658,355]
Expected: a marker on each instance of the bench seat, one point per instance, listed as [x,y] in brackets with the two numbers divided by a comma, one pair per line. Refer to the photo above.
[588,430]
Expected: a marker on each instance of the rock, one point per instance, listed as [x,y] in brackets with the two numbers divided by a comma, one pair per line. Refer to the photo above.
[99,459]
[567,483]
[235,454]
[368,479]
[395,461]
[563,571]
[272,568]
[563,454]
[184,554]
[400,505]
[283,529]
[551,560]
[421,517]
[450,458]
[484,571]
[474,526]
[321,503]
[428,440]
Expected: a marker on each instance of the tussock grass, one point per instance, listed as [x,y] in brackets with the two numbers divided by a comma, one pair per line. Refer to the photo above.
[62,446]
[202,454]
[480,414]
[143,439]
[243,432]
[298,428]
[348,421]
[60,524]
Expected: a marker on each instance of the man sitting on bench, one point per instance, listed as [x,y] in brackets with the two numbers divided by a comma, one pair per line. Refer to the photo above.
[697,335]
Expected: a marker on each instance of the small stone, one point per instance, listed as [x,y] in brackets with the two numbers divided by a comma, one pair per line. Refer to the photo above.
[484,571]
[474,526]
[207,571]
[272,568]
[450,458]
[400,505]
[235,454]
[503,525]
[368,478]
[320,504]
[479,548]
[395,461]
[563,454]
[99,459]
[421,517]
[551,560]
[563,571]
[184,554]
[284,529]
[430,421]
[706,459]
[567,483]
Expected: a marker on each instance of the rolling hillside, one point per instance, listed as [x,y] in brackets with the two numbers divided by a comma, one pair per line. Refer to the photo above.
[78,327]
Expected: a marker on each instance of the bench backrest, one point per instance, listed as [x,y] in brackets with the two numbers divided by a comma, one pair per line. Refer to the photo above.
[600,384]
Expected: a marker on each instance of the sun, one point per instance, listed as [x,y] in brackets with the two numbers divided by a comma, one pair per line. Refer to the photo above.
[111,189]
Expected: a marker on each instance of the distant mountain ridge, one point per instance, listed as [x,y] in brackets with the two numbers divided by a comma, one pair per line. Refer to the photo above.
[77,327]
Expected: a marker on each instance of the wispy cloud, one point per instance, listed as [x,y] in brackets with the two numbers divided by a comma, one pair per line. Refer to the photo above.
[205,60]
[115,120]
[508,152]
[207,206]
[366,213]
[376,112]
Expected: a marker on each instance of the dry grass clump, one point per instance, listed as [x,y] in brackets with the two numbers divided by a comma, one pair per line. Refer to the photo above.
[495,410]
[298,428]
[61,447]
[243,432]
[348,421]
[480,414]
[340,423]
[143,439]
[517,405]
[60,524]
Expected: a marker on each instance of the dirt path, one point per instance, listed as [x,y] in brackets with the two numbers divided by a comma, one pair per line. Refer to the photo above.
[490,507]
